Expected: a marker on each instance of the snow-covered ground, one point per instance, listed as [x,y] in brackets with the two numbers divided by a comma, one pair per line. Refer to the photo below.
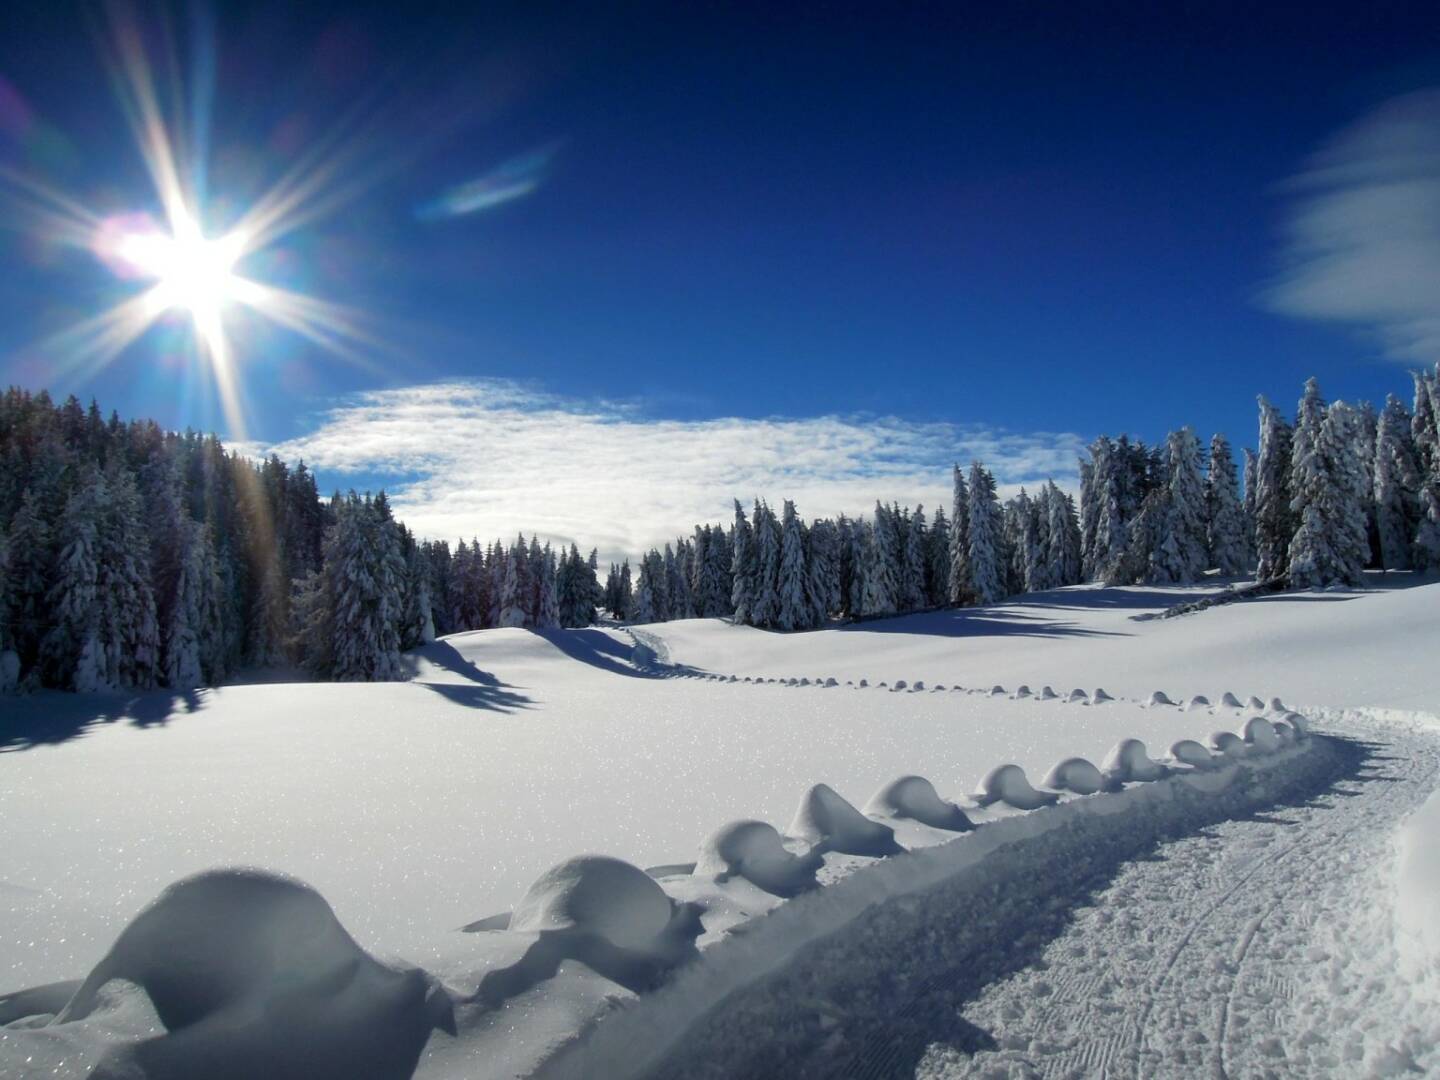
[1238,922]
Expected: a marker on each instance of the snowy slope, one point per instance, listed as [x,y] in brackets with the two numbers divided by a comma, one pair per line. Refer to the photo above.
[418,808]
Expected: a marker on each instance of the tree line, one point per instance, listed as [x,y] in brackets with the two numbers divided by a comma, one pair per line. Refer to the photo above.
[133,557]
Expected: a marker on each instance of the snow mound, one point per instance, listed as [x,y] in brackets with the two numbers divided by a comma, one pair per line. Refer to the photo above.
[900,684]
[1100,695]
[753,850]
[250,966]
[1077,695]
[997,690]
[1230,701]
[863,682]
[1254,702]
[1417,905]
[1021,691]
[1074,774]
[1128,762]
[1159,697]
[1199,701]
[1189,752]
[598,894]
[1008,784]
[919,685]
[915,798]
[831,682]
[1229,744]
[1284,733]
[827,820]
[1047,693]
[1259,734]
[607,914]
[1299,723]
[1276,705]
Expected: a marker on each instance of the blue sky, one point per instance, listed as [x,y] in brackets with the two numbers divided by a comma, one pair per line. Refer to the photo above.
[1010,221]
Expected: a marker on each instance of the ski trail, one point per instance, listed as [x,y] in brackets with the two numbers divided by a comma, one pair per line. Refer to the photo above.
[1175,948]
[1237,914]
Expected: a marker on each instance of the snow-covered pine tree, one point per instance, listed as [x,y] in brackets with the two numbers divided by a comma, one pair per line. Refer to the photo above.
[515,588]
[1109,538]
[793,611]
[30,571]
[859,590]
[72,652]
[626,593]
[1273,520]
[1178,553]
[822,572]
[418,622]
[1396,488]
[1425,420]
[744,568]
[1062,538]
[1330,546]
[912,559]
[1309,416]
[1426,552]
[185,610]
[129,633]
[1225,534]
[1251,464]
[547,614]
[643,603]
[985,539]
[765,602]
[961,590]
[1368,425]
[937,561]
[882,565]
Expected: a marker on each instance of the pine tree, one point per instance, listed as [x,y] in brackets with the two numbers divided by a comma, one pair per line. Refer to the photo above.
[186,610]
[961,589]
[513,591]
[912,561]
[1425,420]
[793,611]
[1272,518]
[1426,552]
[1225,533]
[71,648]
[1330,545]
[937,561]
[1178,553]
[30,559]
[547,615]
[744,568]
[765,602]
[1396,490]
[822,573]
[985,537]
[129,632]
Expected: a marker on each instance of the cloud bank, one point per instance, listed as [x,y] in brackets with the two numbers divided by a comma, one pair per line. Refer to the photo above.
[1362,243]
[489,458]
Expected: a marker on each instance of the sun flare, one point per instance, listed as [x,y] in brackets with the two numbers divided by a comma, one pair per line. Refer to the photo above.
[192,272]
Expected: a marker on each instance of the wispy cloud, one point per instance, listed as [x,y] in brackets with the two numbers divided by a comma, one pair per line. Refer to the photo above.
[1362,243]
[489,458]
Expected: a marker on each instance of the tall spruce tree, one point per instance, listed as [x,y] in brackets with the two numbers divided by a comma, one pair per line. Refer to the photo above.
[1226,532]
[986,576]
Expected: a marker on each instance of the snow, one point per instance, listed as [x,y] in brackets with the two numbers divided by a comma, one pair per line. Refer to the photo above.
[1008,784]
[828,821]
[1417,908]
[414,809]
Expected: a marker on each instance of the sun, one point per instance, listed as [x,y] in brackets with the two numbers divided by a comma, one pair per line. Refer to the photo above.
[192,272]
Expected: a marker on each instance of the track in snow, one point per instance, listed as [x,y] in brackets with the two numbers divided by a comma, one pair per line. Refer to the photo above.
[1168,947]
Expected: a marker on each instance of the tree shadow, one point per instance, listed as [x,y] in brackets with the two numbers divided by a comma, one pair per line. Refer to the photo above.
[493,697]
[600,650]
[978,928]
[1009,621]
[51,717]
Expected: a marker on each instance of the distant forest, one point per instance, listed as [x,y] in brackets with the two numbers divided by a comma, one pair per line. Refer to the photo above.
[133,557]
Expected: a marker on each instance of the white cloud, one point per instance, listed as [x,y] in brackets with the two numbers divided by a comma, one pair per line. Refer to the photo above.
[1362,243]
[490,458]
